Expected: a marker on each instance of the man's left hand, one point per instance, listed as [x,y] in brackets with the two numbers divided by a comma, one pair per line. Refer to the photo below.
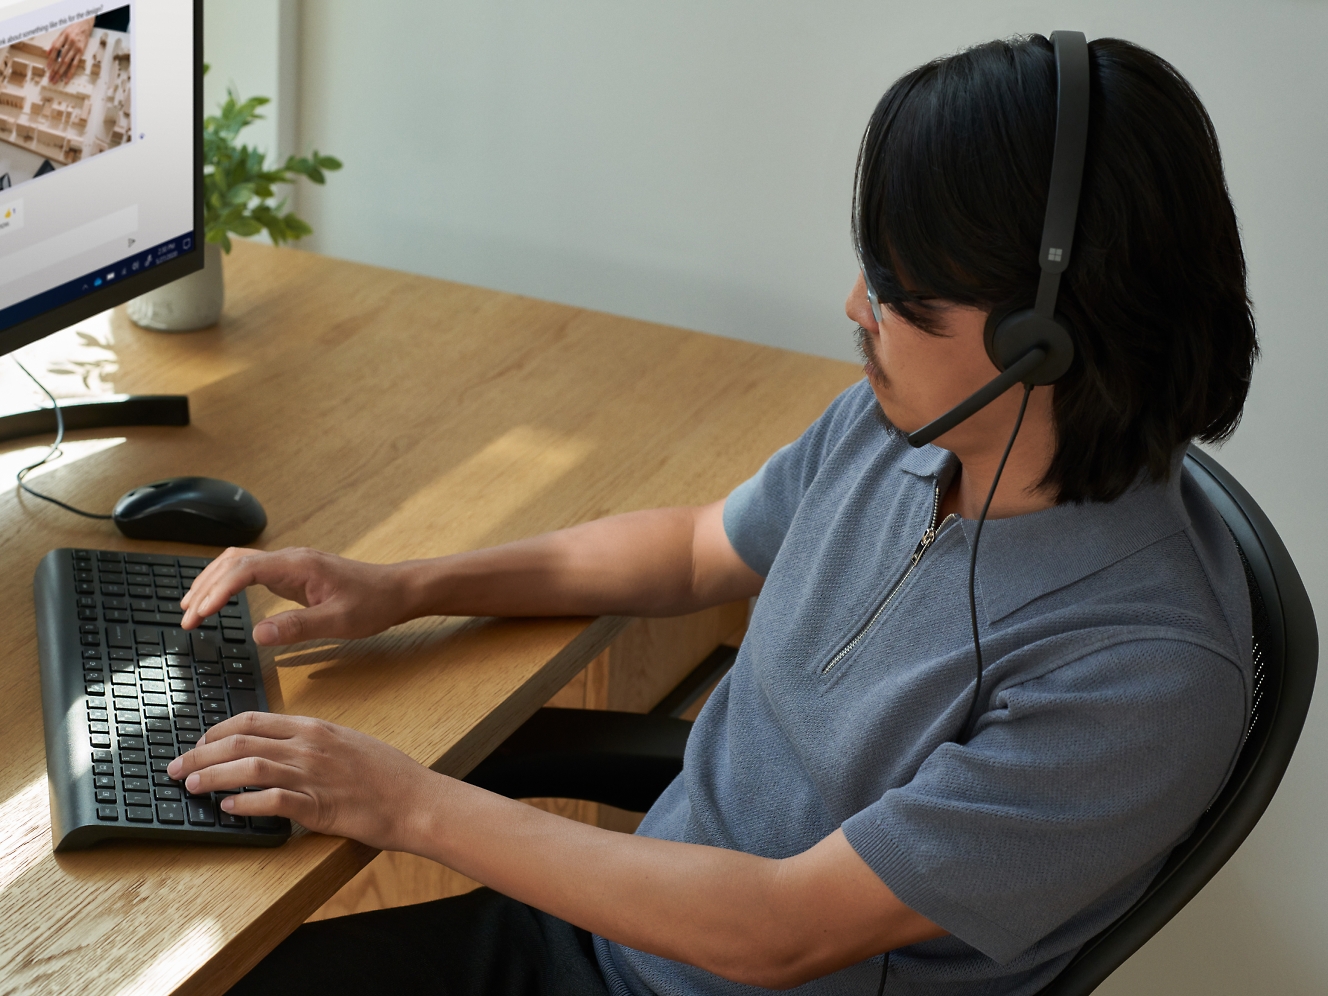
[330,778]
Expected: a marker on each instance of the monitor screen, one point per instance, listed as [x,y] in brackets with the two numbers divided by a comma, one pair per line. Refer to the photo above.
[100,156]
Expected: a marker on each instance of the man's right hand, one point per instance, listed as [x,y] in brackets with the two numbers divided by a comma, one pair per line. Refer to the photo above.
[342,598]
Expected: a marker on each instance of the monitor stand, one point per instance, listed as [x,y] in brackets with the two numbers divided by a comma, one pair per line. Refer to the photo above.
[99,413]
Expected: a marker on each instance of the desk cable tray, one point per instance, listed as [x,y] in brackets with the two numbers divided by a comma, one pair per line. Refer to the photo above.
[125,690]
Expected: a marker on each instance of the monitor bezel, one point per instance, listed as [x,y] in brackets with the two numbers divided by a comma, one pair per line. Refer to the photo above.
[65,315]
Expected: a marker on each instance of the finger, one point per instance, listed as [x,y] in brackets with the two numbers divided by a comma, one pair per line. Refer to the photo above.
[294,625]
[236,774]
[208,578]
[238,737]
[269,802]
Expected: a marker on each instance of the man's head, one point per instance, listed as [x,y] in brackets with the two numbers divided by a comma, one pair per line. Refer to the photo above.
[949,204]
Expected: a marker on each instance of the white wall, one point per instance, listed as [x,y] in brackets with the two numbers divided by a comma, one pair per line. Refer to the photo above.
[690,163]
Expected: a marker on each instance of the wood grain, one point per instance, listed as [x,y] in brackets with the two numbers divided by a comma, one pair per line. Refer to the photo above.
[379,415]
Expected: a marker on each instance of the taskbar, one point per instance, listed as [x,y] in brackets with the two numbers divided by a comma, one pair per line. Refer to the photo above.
[91,283]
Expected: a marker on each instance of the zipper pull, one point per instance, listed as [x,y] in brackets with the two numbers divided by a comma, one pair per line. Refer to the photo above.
[927,539]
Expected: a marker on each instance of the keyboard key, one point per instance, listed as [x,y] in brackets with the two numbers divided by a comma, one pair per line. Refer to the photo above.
[160,738]
[100,756]
[106,795]
[204,646]
[104,781]
[133,770]
[161,751]
[207,668]
[107,813]
[117,590]
[92,655]
[156,712]
[210,681]
[139,814]
[166,794]
[180,674]
[121,655]
[86,615]
[129,758]
[129,730]
[170,812]
[160,766]
[185,711]
[135,564]
[182,685]
[103,768]
[85,588]
[135,784]
[209,623]
[214,707]
[99,740]
[236,653]
[143,635]
[95,727]
[158,725]
[151,686]
[124,678]
[183,723]
[94,688]
[226,819]
[140,591]
[200,811]
[152,698]
[90,640]
[115,616]
[125,691]
[146,618]
[239,681]
[189,736]
[183,698]
[172,595]
[175,642]
[127,715]
[233,635]
[164,778]
[84,602]
[131,743]
[119,637]
[243,701]
[265,822]
[123,667]
[138,799]
[230,612]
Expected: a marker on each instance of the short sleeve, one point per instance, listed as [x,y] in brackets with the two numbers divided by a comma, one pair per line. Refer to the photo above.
[1075,781]
[757,513]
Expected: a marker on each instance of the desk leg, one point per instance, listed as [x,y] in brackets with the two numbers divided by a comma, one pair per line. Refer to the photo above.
[636,671]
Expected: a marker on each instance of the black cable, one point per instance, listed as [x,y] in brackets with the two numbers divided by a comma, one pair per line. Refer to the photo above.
[885,970]
[51,454]
[973,564]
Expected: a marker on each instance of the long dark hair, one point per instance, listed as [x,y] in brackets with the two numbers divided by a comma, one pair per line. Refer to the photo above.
[949,199]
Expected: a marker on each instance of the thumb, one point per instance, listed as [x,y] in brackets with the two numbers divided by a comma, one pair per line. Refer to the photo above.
[296,625]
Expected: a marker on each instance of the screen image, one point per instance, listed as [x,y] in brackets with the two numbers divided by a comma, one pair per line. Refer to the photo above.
[99,169]
[65,95]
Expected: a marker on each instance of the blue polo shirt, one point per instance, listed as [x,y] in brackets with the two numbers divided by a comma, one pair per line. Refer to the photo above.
[1116,690]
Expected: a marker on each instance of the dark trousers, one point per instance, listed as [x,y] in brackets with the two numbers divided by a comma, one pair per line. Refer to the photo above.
[479,944]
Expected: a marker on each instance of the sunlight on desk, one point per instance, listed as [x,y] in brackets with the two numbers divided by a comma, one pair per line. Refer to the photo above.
[25,830]
[457,510]
[178,962]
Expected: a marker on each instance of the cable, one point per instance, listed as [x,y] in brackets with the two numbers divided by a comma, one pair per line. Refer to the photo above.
[973,564]
[885,970]
[51,454]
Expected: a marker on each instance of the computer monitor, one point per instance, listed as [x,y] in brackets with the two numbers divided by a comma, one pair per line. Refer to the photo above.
[101,157]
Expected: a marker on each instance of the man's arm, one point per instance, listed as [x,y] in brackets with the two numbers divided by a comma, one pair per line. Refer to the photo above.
[660,562]
[774,923]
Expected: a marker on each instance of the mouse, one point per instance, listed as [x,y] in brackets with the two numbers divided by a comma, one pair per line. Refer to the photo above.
[190,510]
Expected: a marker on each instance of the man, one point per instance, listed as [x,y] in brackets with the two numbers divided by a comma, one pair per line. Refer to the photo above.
[835,804]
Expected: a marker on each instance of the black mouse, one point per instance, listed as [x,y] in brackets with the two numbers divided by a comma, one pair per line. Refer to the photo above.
[191,510]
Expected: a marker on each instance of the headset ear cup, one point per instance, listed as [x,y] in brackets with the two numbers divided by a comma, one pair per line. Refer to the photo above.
[1010,335]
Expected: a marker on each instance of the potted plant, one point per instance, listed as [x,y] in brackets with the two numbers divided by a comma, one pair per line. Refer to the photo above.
[239,197]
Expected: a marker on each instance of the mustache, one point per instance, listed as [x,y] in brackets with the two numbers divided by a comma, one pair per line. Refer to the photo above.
[863,338]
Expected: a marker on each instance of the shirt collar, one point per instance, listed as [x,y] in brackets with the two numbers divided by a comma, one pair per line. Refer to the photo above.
[1027,556]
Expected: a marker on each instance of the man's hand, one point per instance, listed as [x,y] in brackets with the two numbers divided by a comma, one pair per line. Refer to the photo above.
[343,598]
[329,778]
[63,55]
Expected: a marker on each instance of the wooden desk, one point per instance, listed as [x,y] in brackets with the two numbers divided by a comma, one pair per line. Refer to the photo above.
[382,416]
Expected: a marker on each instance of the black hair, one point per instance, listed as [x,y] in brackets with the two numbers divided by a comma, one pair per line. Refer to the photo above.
[949,199]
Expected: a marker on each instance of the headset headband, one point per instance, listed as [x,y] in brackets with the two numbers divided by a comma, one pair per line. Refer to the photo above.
[1067,165]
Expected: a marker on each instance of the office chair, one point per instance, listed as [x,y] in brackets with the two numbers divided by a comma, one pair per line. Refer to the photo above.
[627,759]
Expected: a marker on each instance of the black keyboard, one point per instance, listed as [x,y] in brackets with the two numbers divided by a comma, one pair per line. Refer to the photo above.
[125,690]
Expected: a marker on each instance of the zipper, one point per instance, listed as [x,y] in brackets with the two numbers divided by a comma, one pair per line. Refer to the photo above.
[928,538]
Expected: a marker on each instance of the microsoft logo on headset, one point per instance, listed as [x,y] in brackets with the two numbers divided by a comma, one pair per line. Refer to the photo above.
[1054,255]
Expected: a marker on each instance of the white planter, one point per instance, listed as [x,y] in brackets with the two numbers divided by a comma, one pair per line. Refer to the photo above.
[184,305]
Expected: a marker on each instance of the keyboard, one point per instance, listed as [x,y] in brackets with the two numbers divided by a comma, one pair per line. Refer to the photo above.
[125,690]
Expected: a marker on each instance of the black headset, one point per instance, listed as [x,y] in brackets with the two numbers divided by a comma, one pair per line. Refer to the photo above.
[1034,345]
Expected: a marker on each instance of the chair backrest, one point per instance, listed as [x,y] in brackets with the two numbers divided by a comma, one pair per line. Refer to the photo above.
[1286,651]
